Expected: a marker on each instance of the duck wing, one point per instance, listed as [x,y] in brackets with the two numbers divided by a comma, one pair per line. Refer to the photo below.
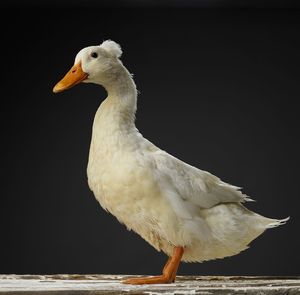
[192,184]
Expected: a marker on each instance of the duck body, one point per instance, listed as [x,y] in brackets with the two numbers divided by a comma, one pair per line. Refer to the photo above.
[189,214]
[164,200]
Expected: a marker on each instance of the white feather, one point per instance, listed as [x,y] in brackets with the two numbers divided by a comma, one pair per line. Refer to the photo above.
[113,48]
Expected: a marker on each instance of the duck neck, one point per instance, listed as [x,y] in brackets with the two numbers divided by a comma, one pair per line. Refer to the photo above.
[121,102]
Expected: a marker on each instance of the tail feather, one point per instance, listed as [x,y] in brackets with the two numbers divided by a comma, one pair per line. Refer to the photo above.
[277,222]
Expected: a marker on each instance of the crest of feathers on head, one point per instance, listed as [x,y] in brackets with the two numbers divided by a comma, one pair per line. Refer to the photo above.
[113,48]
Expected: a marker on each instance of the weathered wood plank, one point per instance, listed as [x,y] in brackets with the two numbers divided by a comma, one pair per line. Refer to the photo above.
[111,284]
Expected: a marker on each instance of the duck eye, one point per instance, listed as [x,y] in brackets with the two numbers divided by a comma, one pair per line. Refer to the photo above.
[94,54]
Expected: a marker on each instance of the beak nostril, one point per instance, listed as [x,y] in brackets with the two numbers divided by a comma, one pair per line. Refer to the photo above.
[74,71]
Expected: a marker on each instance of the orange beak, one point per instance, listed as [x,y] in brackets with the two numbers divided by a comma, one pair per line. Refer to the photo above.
[73,77]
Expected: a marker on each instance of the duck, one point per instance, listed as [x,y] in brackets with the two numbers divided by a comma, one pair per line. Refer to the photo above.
[189,214]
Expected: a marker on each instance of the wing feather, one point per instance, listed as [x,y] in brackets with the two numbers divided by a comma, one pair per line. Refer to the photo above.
[197,186]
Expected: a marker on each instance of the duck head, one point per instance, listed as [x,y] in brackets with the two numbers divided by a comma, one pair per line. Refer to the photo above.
[93,64]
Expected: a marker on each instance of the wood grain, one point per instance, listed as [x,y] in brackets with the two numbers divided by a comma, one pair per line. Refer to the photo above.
[111,284]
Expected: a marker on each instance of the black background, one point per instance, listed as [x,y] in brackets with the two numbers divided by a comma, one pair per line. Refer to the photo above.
[219,88]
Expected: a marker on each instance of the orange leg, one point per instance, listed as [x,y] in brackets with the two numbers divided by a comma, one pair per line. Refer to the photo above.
[169,271]
[167,263]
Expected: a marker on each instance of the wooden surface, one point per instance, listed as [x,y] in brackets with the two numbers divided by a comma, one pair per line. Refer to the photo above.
[111,284]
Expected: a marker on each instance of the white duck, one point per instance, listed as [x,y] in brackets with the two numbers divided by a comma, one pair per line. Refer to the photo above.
[189,214]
